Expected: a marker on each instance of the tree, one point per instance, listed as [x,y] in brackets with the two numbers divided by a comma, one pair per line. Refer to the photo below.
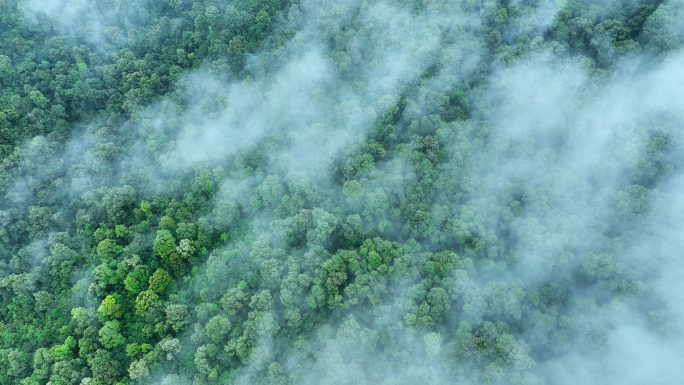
[159,281]
[65,372]
[377,204]
[217,328]
[44,300]
[135,349]
[135,280]
[119,203]
[349,330]
[433,343]
[42,362]
[374,260]
[145,300]
[64,352]
[106,249]
[138,369]
[261,301]
[186,231]
[324,224]
[235,301]
[38,99]
[110,308]
[17,363]
[171,346]
[105,369]
[276,375]
[39,220]
[203,355]
[177,316]
[164,244]
[185,249]
[167,223]
[438,299]
[110,336]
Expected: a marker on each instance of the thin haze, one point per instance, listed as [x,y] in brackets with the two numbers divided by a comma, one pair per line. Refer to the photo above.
[562,141]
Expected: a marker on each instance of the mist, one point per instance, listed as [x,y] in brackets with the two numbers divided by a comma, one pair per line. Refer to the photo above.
[341,192]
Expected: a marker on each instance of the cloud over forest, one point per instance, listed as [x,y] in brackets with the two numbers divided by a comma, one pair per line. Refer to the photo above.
[341,192]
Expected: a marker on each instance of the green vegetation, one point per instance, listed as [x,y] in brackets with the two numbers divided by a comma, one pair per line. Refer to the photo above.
[335,192]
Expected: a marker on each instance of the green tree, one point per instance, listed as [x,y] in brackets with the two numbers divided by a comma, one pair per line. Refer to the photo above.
[110,336]
[110,308]
[177,317]
[159,281]
[164,244]
[44,300]
[167,223]
[145,300]
[42,363]
[17,363]
[217,328]
[104,368]
[106,249]
[38,99]
[136,281]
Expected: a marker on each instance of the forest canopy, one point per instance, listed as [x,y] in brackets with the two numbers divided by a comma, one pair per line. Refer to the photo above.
[341,192]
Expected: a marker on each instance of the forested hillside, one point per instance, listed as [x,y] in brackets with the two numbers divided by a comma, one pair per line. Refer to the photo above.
[341,192]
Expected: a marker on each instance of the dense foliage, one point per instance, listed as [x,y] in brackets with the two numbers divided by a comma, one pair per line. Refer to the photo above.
[338,192]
